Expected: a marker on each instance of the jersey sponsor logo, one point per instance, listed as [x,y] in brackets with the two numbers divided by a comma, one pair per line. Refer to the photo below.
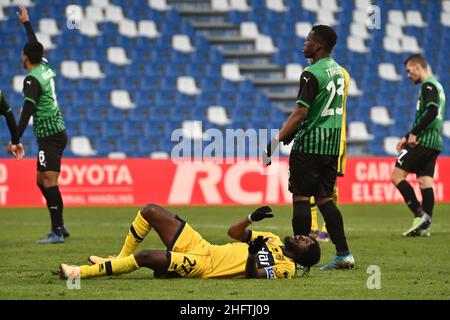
[96,175]
[265,258]
[215,184]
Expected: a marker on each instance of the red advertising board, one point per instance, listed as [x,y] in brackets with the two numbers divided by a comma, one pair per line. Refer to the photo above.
[104,182]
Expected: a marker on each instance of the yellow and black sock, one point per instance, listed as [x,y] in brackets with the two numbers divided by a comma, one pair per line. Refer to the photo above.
[314,224]
[109,268]
[136,234]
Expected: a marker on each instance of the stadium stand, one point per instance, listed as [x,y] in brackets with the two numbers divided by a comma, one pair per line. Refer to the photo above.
[130,72]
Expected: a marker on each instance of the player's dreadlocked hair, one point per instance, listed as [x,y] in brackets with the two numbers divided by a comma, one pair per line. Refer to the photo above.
[309,258]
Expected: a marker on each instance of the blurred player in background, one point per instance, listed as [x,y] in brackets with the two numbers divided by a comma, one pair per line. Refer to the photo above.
[419,148]
[322,234]
[316,125]
[14,147]
[48,127]
[188,255]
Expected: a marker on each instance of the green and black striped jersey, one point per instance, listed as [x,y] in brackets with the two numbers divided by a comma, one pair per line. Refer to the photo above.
[322,91]
[431,95]
[39,88]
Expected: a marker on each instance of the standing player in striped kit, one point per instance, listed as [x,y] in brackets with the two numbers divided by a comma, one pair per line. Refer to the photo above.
[419,148]
[322,234]
[316,123]
[48,127]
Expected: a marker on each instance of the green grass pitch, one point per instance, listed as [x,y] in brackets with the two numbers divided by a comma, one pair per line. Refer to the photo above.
[411,268]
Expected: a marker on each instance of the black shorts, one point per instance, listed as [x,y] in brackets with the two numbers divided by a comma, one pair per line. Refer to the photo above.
[312,174]
[51,149]
[419,160]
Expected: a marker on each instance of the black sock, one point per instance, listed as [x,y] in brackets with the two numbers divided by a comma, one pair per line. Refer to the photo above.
[42,188]
[301,218]
[428,200]
[410,197]
[335,226]
[55,206]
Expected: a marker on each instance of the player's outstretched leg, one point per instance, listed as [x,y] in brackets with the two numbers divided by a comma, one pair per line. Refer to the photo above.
[154,259]
[151,216]
[421,218]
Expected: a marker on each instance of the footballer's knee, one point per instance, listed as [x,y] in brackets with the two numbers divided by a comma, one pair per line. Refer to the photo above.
[425,182]
[49,179]
[151,211]
[142,257]
[151,259]
[395,179]
[322,200]
[398,176]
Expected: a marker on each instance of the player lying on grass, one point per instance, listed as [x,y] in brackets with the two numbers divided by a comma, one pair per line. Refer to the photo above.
[258,255]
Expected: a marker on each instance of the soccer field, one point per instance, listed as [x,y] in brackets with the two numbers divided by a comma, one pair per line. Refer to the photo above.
[411,268]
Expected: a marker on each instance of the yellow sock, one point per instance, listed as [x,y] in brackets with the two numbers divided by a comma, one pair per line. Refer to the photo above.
[314,225]
[109,268]
[324,228]
[335,194]
[137,232]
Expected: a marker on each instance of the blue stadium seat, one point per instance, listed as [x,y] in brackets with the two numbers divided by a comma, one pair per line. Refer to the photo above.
[154,67]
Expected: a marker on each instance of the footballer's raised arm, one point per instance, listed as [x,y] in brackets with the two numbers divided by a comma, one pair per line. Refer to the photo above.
[239,230]
[25,19]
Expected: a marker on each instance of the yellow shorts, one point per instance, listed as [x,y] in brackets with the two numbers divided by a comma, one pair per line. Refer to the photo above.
[190,255]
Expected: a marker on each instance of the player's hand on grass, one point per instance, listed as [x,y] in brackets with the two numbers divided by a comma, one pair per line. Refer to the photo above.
[256,245]
[23,14]
[400,144]
[260,214]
